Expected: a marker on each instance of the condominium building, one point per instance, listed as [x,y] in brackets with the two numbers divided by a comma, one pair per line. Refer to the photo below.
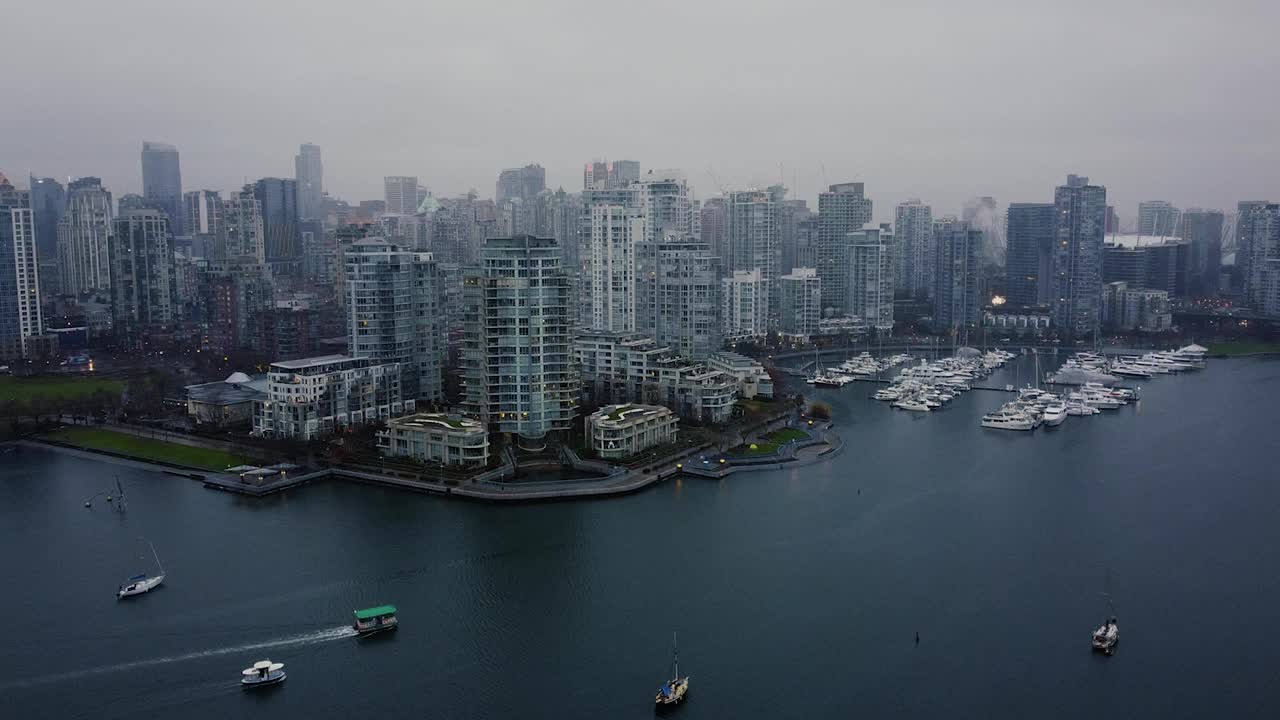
[83,238]
[632,368]
[1159,218]
[518,349]
[1202,229]
[20,321]
[801,304]
[754,241]
[278,203]
[913,229]
[1260,247]
[955,295]
[144,290]
[395,313]
[437,438]
[1030,231]
[1077,261]
[753,379]
[523,183]
[843,209]
[687,313]
[871,276]
[620,431]
[315,397]
[616,233]
[244,235]
[203,215]
[744,306]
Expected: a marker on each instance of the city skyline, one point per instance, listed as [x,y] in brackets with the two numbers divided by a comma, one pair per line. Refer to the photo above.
[1011,130]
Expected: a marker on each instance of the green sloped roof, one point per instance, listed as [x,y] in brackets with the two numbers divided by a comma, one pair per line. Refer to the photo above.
[373,612]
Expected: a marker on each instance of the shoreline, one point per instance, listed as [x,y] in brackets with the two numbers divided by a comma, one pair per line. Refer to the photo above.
[481,491]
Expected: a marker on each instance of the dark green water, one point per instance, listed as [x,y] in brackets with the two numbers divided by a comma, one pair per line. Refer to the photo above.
[797,594]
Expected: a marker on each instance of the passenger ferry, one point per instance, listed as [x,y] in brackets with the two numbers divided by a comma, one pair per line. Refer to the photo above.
[375,619]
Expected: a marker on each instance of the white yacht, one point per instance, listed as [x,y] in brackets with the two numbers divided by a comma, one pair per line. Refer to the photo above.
[1007,420]
[1054,414]
[1081,409]
[886,394]
[912,403]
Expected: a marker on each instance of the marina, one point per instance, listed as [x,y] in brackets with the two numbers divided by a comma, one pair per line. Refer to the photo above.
[925,524]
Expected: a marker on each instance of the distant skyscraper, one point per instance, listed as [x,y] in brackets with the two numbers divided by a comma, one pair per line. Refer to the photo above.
[1082,215]
[610,175]
[84,238]
[688,299]
[744,303]
[309,172]
[1113,220]
[1249,213]
[1261,243]
[843,209]
[668,210]
[800,304]
[203,210]
[395,313]
[1031,231]
[616,232]
[714,224]
[871,276]
[400,192]
[244,233]
[143,284]
[1158,217]
[525,183]
[20,319]
[48,201]
[1202,229]
[791,214]
[162,182]
[518,347]
[753,238]
[278,201]
[913,229]
[955,297]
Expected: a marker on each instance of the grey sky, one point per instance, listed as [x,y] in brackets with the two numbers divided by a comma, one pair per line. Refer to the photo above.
[937,100]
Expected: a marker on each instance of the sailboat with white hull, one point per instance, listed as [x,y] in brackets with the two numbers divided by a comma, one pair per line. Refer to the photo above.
[143,583]
[672,691]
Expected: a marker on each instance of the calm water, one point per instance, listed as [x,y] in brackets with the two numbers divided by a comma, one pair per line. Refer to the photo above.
[797,594]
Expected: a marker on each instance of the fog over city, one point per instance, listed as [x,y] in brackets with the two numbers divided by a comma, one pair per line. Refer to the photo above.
[938,100]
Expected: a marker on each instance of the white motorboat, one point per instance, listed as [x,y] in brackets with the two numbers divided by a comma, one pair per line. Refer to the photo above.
[886,394]
[263,673]
[1127,370]
[1054,414]
[1079,408]
[1007,420]
[912,403]
[139,584]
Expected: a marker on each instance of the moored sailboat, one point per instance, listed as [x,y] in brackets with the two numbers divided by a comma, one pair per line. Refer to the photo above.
[672,691]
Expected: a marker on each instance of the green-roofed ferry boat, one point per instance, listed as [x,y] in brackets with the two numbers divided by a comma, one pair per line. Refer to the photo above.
[375,620]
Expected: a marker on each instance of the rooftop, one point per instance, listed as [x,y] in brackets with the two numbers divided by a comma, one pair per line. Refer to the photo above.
[629,413]
[309,362]
[234,390]
[426,420]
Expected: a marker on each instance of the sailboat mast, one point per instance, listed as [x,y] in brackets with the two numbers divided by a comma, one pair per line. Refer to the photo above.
[675,655]
[156,555]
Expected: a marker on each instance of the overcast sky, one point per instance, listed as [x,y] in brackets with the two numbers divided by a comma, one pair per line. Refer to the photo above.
[937,100]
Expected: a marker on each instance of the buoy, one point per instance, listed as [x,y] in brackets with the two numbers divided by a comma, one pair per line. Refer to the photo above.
[87,504]
[108,498]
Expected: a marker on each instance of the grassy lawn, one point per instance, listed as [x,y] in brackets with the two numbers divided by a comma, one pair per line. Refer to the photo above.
[1243,348]
[761,448]
[787,435]
[23,389]
[145,448]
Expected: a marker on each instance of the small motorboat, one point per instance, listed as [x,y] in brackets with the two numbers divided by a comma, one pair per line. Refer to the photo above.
[263,673]
[1106,637]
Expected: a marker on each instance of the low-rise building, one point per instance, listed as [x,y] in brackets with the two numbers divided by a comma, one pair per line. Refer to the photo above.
[315,397]
[753,380]
[226,402]
[620,431]
[621,367]
[437,437]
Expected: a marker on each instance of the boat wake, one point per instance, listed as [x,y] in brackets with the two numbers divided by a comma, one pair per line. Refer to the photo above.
[308,638]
